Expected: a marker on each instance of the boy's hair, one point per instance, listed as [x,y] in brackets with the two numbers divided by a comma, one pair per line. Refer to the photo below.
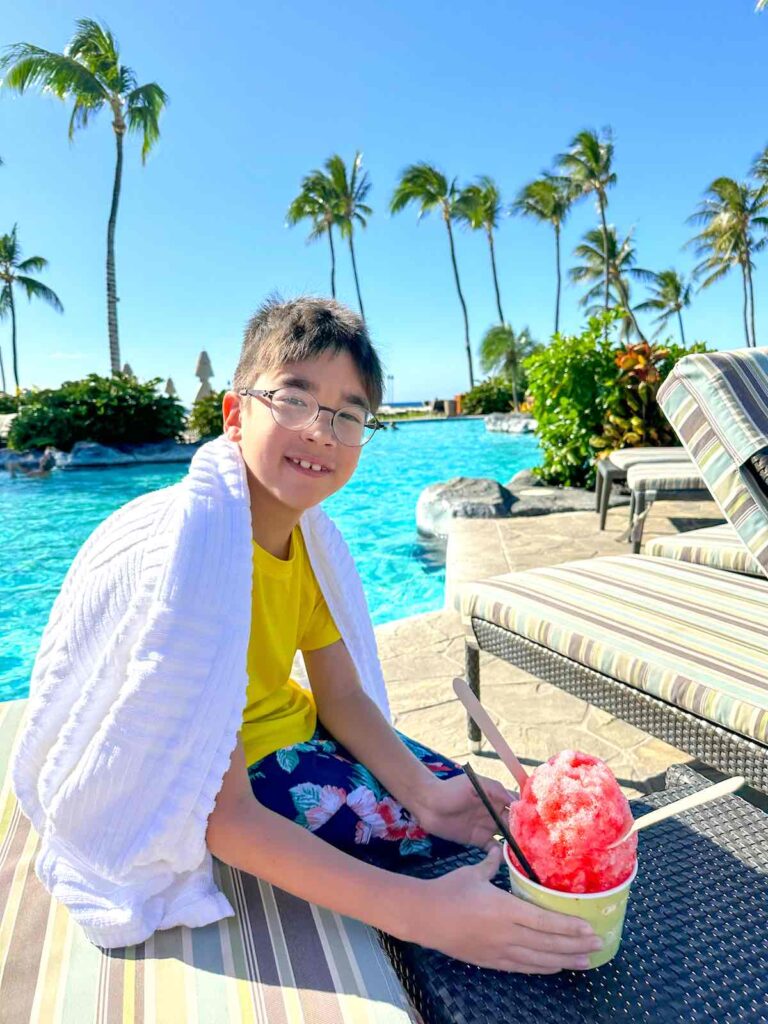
[289,332]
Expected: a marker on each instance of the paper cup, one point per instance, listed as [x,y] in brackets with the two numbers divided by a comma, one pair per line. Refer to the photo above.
[603,910]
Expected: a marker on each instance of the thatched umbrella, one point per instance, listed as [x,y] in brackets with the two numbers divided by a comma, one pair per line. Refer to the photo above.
[204,371]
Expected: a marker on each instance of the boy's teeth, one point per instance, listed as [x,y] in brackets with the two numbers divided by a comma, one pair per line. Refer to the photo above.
[307,465]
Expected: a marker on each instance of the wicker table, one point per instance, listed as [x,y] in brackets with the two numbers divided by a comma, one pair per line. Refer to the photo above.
[695,943]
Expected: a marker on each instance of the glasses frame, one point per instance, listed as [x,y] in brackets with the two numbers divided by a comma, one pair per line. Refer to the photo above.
[255,393]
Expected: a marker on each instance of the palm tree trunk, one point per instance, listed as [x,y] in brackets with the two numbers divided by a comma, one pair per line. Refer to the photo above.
[13,337]
[625,301]
[114,341]
[557,295]
[746,321]
[354,271]
[461,300]
[751,301]
[333,261]
[513,376]
[2,374]
[680,324]
[502,321]
[601,202]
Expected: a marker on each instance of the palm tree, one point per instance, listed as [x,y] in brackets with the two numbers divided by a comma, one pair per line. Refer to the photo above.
[502,350]
[618,257]
[588,166]
[670,294]
[479,207]
[426,186]
[90,73]
[317,202]
[760,165]
[549,198]
[15,271]
[350,195]
[732,213]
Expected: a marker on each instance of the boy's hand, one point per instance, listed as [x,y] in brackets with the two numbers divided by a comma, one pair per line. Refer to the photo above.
[467,917]
[452,809]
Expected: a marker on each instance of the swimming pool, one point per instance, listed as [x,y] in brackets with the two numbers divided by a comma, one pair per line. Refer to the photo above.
[43,522]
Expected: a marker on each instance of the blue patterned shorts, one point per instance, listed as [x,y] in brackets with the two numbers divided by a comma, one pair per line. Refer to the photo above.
[321,786]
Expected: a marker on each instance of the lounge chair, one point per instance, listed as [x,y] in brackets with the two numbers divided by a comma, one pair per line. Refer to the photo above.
[677,649]
[719,547]
[664,481]
[279,960]
[612,469]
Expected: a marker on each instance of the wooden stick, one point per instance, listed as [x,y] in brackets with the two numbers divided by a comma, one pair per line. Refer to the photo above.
[703,796]
[483,721]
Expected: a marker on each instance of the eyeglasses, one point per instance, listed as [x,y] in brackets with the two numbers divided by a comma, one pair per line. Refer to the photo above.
[296,409]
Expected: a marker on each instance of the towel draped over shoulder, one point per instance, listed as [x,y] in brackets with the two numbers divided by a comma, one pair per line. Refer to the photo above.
[137,696]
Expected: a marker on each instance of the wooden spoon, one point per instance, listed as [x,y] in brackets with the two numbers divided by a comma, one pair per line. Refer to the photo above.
[703,796]
[485,725]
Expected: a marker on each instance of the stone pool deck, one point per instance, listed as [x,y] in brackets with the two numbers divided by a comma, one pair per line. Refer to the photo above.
[421,654]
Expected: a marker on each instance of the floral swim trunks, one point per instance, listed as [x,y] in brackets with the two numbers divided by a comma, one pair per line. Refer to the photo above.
[321,786]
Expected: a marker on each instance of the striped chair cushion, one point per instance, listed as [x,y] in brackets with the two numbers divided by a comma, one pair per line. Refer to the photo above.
[667,476]
[278,961]
[719,547]
[718,405]
[626,457]
[692,636]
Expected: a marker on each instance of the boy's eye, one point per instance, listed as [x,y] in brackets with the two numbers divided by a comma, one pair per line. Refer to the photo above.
[292,399]
[351,415]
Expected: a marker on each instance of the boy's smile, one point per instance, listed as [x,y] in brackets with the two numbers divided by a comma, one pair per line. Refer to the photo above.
[293,470]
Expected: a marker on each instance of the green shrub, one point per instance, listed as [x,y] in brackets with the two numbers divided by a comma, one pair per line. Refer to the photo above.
[205,419]
[8,403]
[492,395]
[108,410]
[568,381]
[633,417]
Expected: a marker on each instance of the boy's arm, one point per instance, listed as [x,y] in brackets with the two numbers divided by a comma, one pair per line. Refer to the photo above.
[353,719]
[460,914]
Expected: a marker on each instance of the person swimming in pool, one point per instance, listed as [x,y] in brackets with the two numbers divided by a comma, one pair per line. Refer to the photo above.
[44,466]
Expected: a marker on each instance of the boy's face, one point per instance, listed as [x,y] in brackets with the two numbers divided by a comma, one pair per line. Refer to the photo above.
[268,448]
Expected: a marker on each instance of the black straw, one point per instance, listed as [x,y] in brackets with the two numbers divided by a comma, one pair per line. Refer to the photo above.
[500,824]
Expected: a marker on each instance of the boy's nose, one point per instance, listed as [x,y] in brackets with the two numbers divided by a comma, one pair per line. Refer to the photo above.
[321,429]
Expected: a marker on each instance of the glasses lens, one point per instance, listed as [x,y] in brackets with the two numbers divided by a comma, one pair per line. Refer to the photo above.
[293,408]
[351,425]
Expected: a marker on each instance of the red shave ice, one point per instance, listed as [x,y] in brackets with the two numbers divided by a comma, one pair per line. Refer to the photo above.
[569,811]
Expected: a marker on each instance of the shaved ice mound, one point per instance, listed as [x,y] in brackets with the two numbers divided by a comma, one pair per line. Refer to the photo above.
[570,810]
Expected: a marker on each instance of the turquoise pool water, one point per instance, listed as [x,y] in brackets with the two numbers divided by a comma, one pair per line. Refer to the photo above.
[43,522]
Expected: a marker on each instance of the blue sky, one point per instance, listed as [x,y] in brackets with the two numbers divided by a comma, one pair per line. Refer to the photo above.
[261,94]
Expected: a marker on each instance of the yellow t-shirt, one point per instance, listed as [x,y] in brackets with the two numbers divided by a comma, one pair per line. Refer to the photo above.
[288,613]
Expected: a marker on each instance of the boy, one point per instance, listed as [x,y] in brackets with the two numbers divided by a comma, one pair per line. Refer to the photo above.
[164,726]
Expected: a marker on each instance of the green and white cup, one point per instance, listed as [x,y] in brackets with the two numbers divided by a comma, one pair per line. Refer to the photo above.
[603,910]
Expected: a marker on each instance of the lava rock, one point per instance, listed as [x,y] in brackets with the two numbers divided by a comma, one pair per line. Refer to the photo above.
[471,497]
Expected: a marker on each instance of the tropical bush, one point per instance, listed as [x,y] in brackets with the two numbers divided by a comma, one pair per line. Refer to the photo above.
[633,417]
[492,395]
[108,410]
[205,419]
[568,382]
[591,395]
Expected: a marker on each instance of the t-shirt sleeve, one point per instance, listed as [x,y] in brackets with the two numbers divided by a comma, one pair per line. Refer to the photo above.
[321,630]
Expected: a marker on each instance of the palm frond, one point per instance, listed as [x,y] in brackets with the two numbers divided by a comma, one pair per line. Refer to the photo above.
[143,108]
[37,290]
[422,184]
[32,263]
[26,65]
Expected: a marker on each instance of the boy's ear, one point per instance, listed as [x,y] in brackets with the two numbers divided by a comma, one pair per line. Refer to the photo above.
[231,415]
